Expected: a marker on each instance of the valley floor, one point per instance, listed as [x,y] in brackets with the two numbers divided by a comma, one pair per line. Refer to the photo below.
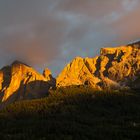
[74,114]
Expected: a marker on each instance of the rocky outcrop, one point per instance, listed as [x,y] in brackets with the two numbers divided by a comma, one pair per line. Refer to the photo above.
[20,81]
[114,68]
[48,76]
[78,72]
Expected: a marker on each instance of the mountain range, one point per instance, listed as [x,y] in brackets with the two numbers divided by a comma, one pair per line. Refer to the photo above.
[114,69]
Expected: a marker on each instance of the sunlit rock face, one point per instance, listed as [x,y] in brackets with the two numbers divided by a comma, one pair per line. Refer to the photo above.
[78,72]
[48,76]
[19,82]
[114,68]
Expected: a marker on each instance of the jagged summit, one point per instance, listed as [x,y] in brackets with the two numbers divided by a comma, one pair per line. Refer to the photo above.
[20,81]
[114,68]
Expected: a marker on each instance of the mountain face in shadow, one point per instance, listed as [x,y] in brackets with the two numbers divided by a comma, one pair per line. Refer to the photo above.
[20,81]
[115,68]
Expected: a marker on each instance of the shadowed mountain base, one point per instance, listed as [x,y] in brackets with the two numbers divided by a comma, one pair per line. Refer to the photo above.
[32,90]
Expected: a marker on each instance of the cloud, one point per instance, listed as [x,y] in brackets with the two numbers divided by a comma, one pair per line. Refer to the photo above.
[129,5]
[32,43]
[50,33]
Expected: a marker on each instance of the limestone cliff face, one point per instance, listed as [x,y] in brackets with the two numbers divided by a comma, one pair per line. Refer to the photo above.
[19,81]
[78,72]
[114,68]
[48,76]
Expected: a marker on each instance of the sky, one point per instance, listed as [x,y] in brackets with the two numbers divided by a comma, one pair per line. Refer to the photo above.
[50,33]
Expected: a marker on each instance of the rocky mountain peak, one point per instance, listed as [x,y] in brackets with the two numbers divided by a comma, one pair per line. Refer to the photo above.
[113,68]
[47,73]
[48,76]
[20,81]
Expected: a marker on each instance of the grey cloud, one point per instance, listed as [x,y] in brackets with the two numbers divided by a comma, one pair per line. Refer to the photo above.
[52,32]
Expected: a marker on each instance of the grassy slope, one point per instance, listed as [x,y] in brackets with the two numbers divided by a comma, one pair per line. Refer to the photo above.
[73,114]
